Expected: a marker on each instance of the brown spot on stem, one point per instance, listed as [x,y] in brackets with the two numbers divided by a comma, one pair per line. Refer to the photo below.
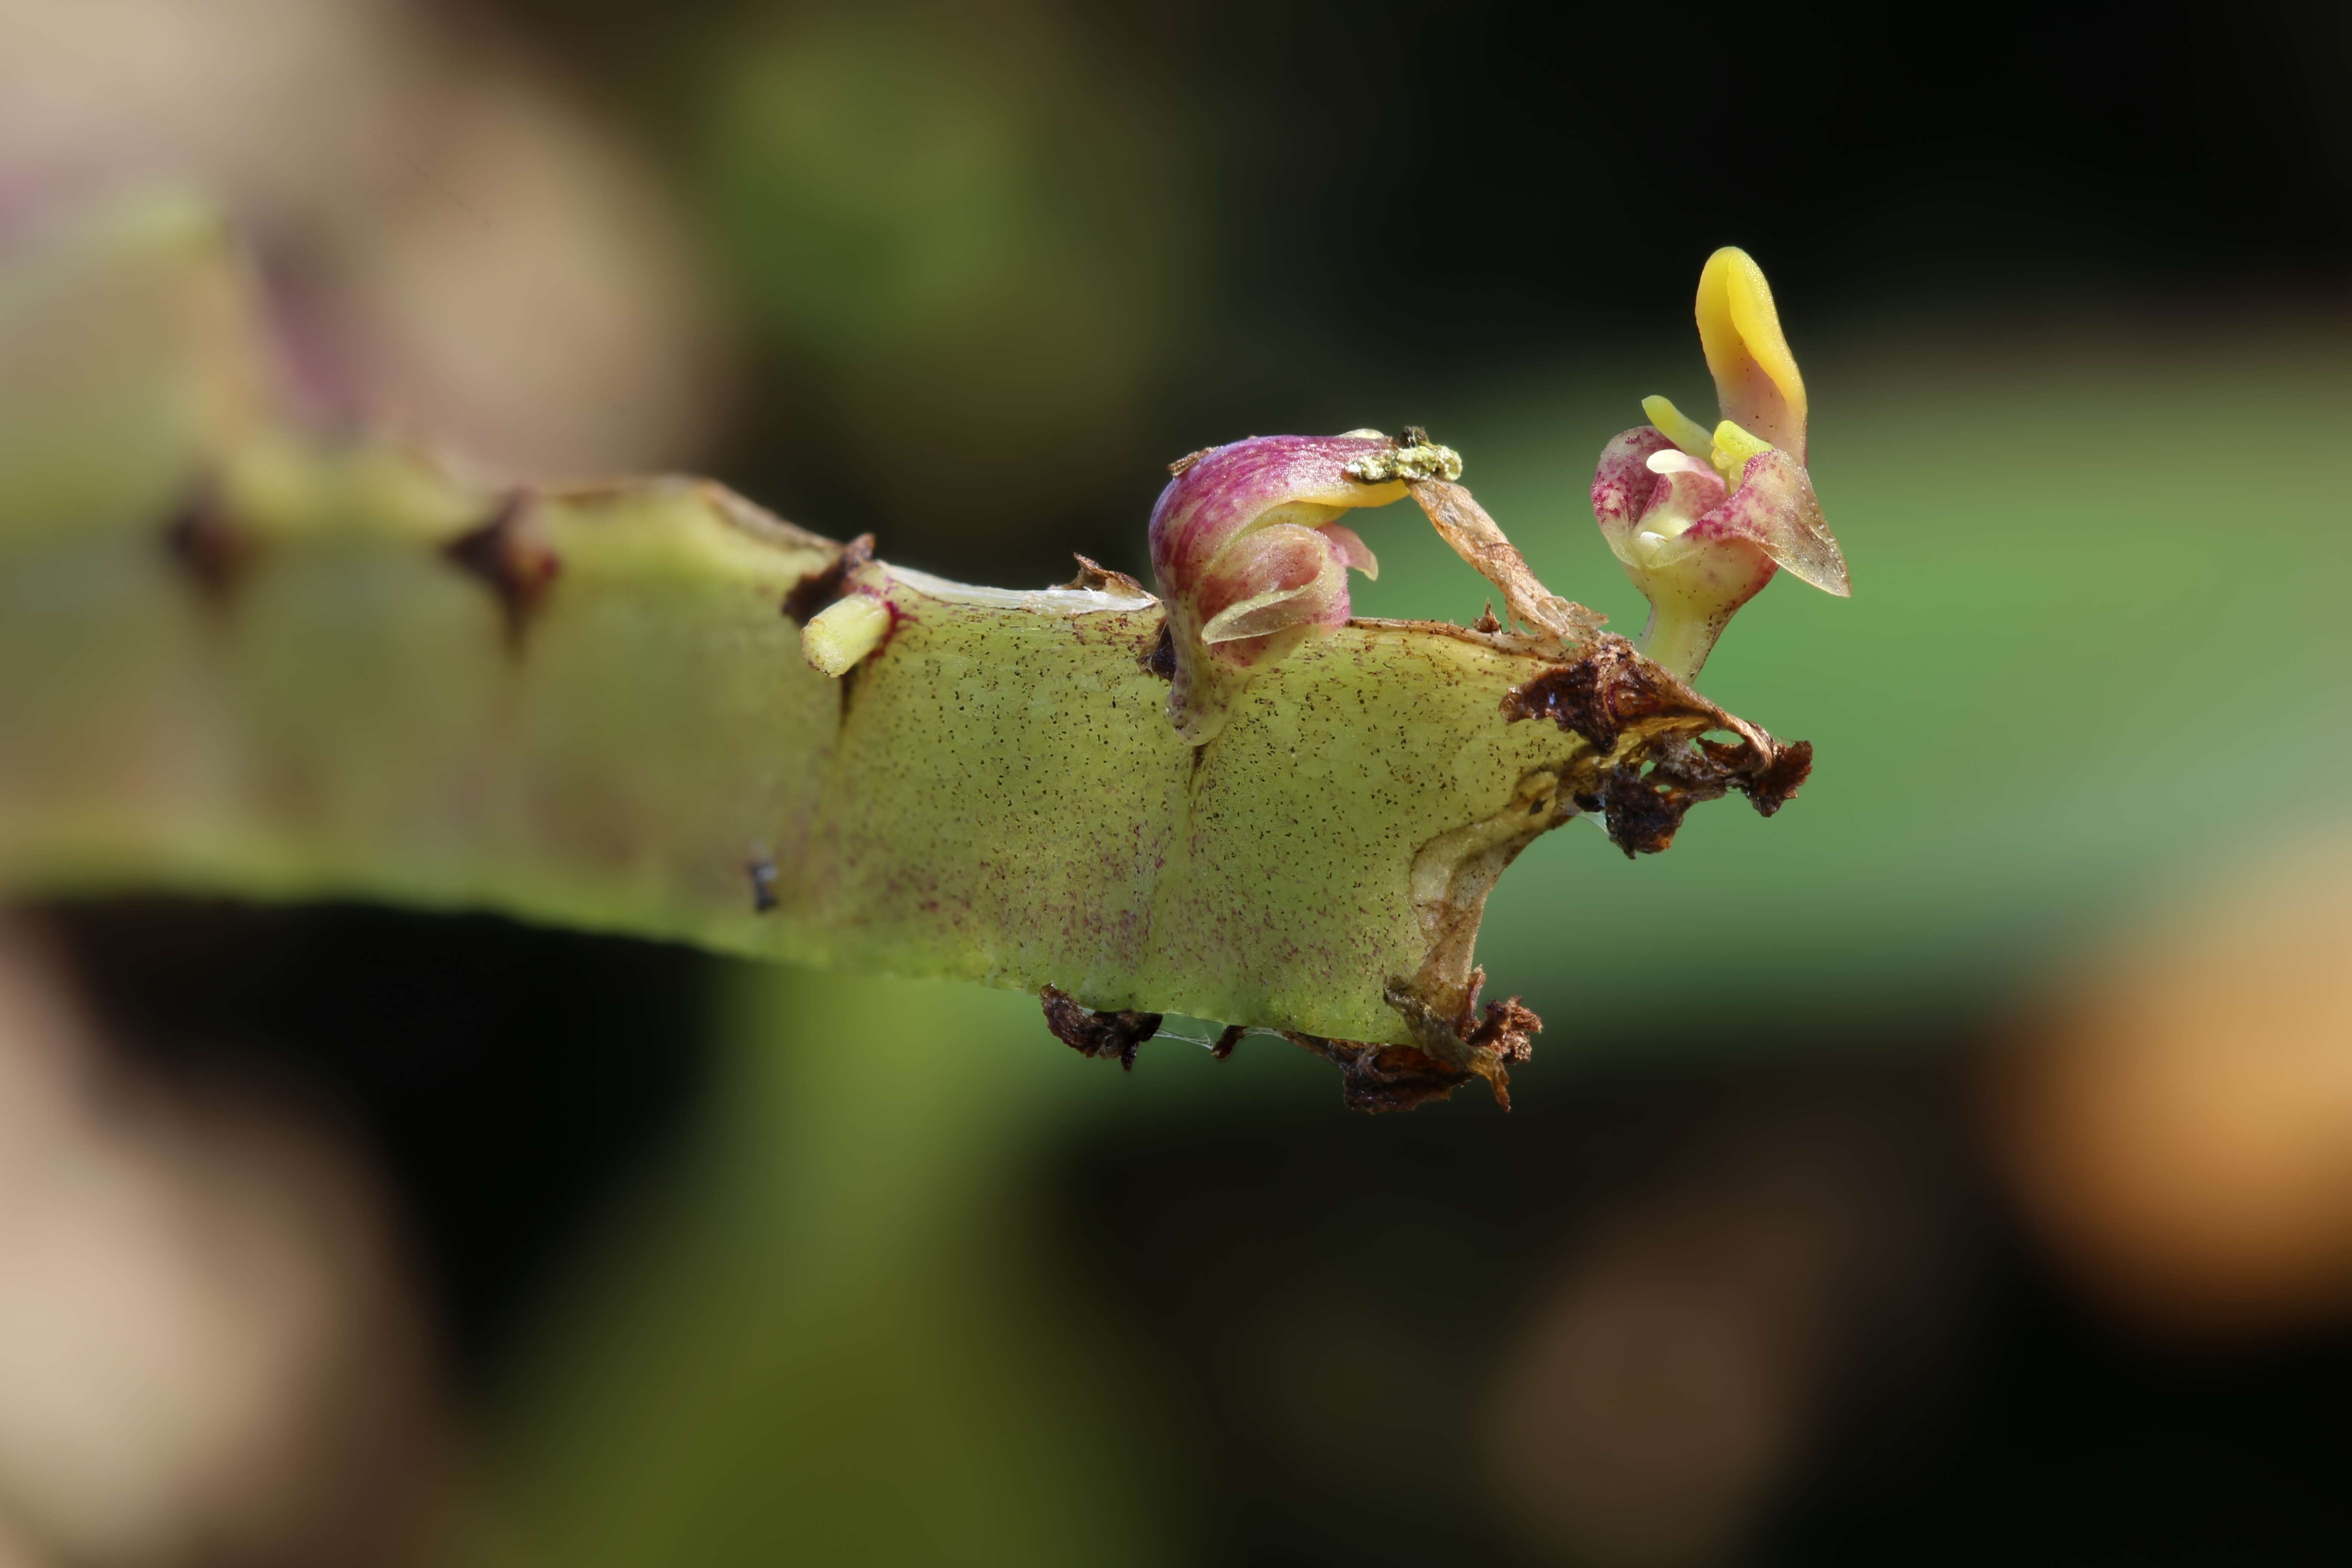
[511,554]
[822,586]
[1093,1034]
[206,544]
[1161,659]
[763,872]
[1227,1041]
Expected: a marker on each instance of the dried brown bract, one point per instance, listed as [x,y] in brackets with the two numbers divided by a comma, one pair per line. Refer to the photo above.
[1485,1042]
[1651,759]
[1096,577]
[1093,1034]
[1374,1078]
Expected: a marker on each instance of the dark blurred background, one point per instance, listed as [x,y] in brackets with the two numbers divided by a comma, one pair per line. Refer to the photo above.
[1958,1166]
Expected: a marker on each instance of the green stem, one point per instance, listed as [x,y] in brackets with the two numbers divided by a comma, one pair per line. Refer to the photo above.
[1679,640]
[247,661]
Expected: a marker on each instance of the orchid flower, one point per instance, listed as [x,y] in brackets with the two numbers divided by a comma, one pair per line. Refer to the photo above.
[1252,560]
[1701,520]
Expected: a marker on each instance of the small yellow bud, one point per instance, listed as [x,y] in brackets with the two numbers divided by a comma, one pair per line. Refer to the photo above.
[844,632]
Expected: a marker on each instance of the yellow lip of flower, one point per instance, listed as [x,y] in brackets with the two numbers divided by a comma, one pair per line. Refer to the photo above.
[1757,389]
[1756,381]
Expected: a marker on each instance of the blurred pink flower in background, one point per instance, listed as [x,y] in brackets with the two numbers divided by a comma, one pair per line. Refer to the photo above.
[212,1349]
[456,242]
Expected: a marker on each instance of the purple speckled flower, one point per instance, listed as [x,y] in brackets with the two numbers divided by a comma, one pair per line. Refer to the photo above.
[1252,560]
[1701,520]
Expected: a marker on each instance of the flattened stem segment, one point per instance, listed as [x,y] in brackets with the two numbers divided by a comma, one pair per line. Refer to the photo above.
[999,798]
[348,670]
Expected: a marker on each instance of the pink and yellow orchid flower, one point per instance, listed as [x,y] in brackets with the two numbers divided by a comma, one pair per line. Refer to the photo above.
[1700,519]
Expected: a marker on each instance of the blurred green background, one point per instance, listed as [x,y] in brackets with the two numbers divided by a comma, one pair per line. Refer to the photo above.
[1832,1222]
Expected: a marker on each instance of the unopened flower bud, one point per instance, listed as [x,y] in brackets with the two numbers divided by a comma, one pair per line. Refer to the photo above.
[1252,560]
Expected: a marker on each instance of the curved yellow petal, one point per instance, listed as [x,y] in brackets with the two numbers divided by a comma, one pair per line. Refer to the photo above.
[1755,379]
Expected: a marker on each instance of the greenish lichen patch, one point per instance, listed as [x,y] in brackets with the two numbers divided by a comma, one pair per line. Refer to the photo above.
[1413,456]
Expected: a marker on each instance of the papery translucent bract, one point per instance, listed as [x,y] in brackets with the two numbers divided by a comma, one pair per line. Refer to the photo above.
[1776,508]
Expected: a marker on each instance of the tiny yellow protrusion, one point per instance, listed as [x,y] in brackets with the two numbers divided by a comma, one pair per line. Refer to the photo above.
[1740,329]
[1732,446]
[1679,427]
[843,632]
